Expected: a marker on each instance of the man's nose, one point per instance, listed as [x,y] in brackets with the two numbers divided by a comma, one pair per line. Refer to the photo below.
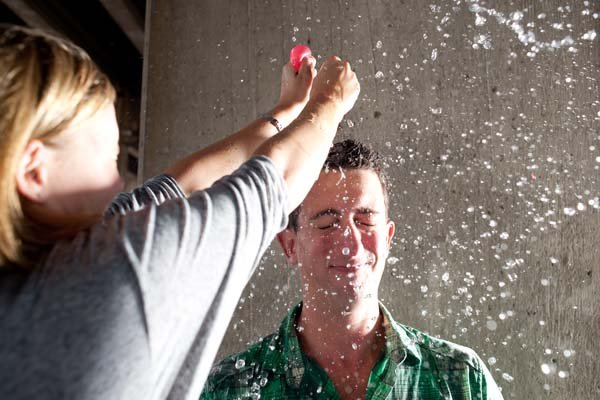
[350,240]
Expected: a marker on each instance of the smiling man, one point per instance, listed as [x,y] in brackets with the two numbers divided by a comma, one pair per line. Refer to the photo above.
[340,342]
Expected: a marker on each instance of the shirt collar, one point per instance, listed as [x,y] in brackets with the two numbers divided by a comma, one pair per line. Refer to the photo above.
[401,343]
[294,362]
[400,347]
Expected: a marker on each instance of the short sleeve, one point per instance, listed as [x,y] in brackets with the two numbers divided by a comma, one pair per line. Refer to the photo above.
[155,191]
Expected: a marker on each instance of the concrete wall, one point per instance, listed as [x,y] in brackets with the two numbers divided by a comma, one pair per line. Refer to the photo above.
[493,149]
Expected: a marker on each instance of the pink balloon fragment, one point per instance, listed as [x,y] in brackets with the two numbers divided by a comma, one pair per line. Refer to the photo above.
[298,54]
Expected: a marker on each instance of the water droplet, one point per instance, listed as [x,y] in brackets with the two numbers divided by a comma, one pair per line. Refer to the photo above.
[563,374]
[492,360]
[240,363]
[482,40]
[379,75]
[379,44]
[350,123]
[589,35]
[424,288]
[392,260]
[354,346]
[516,15]
[445,276]
[504,235]
[569,211]
[434,53]
[507,377]
[345,251]
[479,20]
[546,369]
[491,325]
[468,311]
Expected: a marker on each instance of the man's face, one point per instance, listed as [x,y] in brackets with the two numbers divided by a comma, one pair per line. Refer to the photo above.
[343,237]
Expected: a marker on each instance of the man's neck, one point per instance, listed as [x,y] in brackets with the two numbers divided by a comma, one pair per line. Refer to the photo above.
[346,341]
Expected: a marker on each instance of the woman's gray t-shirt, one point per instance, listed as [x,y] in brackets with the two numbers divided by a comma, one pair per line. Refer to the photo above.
[136,307]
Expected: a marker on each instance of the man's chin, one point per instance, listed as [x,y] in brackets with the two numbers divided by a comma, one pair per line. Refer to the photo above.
[348,294]
[351,281]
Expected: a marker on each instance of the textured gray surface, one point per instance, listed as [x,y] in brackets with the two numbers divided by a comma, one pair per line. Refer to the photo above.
[493,154]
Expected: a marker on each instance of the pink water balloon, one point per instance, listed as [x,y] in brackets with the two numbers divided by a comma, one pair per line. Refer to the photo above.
[298,54]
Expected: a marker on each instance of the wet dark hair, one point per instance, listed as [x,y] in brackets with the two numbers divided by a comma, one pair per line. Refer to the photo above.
[350,154]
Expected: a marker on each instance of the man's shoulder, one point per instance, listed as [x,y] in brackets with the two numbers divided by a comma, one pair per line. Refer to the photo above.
[238,369]
[447,355]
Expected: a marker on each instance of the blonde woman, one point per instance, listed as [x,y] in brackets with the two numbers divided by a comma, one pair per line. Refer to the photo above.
[134,304]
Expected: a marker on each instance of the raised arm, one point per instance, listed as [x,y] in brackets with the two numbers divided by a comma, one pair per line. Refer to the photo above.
[202,168]
[300,149]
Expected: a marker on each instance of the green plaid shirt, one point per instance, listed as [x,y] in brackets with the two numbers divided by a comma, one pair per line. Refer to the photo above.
[413,365]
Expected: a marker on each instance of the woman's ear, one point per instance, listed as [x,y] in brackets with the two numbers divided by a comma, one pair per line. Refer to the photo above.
[287,240]
[31,176]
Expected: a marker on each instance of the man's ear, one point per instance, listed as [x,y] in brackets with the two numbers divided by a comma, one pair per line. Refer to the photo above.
[391,228]
[287,240]
[31,176]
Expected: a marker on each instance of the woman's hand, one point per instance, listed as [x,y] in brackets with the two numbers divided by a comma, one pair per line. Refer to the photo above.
[295,90]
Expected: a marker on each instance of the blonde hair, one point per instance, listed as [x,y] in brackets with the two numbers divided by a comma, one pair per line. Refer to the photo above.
[46,86]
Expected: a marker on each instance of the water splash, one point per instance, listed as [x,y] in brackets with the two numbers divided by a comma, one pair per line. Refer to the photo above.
[527,37]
